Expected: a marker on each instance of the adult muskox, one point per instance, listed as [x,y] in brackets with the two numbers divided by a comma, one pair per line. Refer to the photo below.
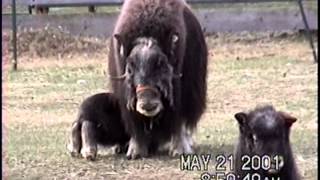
[158,69]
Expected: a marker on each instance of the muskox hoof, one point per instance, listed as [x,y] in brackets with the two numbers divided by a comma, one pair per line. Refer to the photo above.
[73,151]
[135,151]
[180,145]
[175,152]
[74,144]
[190,141]
[133,156]
[118,149]
[89,153]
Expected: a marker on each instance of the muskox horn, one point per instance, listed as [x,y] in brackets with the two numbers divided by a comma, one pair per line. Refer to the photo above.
[175,38]
[121,77]
[120,41]
[177,76]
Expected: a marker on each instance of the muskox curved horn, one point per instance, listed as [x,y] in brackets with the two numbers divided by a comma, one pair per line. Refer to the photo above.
[176,76]
[121,77]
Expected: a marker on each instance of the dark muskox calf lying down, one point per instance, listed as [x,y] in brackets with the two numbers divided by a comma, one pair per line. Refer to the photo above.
[264,148]
[98,122]
[264,138]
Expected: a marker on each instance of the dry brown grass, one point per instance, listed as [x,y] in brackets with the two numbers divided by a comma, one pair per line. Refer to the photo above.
[41,100]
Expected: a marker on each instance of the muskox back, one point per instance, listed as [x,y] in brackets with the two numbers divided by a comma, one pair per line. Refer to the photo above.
[264,136]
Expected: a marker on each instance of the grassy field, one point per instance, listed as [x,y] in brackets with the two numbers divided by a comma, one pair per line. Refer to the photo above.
[41,101]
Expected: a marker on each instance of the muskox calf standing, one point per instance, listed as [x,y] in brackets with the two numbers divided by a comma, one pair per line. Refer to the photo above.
[265,132]
[98,122]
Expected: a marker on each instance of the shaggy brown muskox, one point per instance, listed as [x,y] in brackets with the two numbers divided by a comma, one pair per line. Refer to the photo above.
[98,122]
[264,133]
[158,69]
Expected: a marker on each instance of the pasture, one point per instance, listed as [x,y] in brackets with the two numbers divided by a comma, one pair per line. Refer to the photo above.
[41,100]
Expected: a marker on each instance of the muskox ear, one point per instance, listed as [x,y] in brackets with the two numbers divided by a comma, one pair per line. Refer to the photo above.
[241,117]
[289,120]
[120,42]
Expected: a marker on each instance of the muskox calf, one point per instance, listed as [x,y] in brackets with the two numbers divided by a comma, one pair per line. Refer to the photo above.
[98,122]
[264,132]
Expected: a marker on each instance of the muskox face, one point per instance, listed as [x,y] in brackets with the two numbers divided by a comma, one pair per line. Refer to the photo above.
[148,76]
[266,132]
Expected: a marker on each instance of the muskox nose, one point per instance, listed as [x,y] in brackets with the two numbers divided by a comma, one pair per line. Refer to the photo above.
[149,106]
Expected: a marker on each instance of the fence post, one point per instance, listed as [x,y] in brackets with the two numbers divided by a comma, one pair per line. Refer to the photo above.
[14,35]
[308,32]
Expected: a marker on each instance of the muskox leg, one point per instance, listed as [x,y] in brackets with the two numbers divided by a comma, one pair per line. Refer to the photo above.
[136,150]
[74,145]
[189,133]
[89,144]
[165,146]
[121,148]
[180,143]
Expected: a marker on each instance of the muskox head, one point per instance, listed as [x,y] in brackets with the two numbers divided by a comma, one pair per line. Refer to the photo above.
[148,76]
[266,132]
